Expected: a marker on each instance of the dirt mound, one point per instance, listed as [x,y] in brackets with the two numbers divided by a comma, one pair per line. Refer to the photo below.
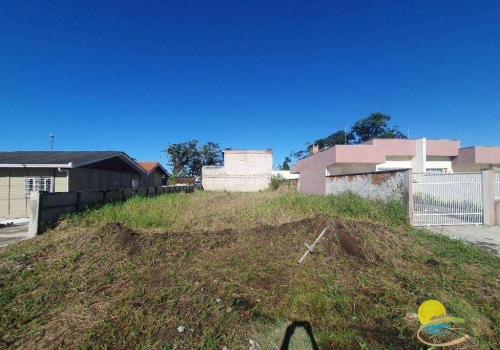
[349,244]
[123,238]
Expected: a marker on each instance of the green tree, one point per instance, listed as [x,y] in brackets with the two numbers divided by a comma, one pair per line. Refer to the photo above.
[340,137]
[286,164]
[187,160]
[211,154]
[375,126]
[178,157]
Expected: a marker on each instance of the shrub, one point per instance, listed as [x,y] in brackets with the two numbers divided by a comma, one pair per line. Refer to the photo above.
[275,181]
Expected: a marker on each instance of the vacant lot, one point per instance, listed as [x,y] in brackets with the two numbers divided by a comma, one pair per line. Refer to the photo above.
[208,270]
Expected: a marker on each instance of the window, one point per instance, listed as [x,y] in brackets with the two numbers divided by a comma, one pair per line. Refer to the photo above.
[37,184]
[434,170]
[135,183]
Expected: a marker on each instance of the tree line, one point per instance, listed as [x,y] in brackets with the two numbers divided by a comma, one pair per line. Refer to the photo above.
[188,158]
[375,126]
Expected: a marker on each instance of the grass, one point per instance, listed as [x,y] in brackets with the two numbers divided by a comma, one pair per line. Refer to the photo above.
[224,265]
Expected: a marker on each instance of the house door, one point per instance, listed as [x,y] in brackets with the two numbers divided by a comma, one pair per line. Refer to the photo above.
[447,199]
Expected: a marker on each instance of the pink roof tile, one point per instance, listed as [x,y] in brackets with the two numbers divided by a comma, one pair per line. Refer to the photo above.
[148,166]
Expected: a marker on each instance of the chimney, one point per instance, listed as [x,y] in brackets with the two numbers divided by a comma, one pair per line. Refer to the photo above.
[313,149]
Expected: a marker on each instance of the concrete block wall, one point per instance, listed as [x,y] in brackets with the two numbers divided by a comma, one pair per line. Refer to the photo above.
[47,207]
[243,171]
[384,185]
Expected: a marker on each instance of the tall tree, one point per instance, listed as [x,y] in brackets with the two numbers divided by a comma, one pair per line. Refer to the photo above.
[286,164]
[187,160]
[375,126]
[340,137]
[178,157]
[211,154]
[195,163]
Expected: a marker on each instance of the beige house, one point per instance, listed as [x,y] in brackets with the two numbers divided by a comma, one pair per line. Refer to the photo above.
[156,174]
[243,171]
[60,171]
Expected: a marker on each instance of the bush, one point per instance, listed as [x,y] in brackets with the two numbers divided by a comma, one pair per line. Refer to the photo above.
[275,181]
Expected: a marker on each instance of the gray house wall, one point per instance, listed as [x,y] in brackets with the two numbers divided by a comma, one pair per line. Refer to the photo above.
[14,202]
[93,180]
[154,179]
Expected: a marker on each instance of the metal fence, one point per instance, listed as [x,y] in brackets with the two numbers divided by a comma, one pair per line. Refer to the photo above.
[447,199]
[497,186]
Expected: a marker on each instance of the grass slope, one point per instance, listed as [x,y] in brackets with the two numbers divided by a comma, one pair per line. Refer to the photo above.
[224,266]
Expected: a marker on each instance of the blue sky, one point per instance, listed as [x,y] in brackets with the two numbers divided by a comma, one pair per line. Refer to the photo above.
[135,75]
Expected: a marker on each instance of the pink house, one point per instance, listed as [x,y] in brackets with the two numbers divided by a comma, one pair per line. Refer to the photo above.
[421,155]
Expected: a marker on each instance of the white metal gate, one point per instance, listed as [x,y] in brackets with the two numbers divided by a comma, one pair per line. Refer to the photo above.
[447,199]
[497,186]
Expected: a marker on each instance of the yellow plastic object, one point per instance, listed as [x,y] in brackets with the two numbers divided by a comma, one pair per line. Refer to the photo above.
[430,309]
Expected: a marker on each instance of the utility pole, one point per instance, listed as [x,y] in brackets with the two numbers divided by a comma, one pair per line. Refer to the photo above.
[51,142]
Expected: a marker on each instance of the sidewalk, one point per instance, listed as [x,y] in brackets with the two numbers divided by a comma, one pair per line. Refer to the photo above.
[485,237]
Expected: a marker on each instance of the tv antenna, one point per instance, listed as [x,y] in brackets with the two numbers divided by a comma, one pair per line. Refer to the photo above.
[51,142]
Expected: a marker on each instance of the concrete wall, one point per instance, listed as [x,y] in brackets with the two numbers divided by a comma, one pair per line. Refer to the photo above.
[386,185]
[448,148]
[439,162]
[312,171]
[286,174]
[47,207]
[243,171]
[418,162]
[496,184]
[395,162]
[395,147]
[477,158]
[497,213]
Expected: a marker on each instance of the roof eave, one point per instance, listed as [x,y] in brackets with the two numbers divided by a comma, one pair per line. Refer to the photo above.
[162,168]
[69,165]
[123,156]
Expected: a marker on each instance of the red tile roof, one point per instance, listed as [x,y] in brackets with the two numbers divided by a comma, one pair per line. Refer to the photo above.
[148,166]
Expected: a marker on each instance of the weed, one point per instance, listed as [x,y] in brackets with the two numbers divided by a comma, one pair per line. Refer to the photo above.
[127,275]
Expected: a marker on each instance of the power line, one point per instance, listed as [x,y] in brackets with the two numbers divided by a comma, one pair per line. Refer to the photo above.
[467,126]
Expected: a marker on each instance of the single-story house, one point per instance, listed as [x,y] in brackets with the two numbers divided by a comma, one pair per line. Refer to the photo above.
[243,171]
[420,155]
[61,171]
[156,174]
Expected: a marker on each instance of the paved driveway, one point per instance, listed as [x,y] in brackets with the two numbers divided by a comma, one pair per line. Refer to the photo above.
[13,234]
[485,237]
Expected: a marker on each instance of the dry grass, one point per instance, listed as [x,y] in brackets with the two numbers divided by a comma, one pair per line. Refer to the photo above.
[224,265]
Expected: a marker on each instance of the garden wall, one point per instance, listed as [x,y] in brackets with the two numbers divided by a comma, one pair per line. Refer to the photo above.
[47,207]
[383,185]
